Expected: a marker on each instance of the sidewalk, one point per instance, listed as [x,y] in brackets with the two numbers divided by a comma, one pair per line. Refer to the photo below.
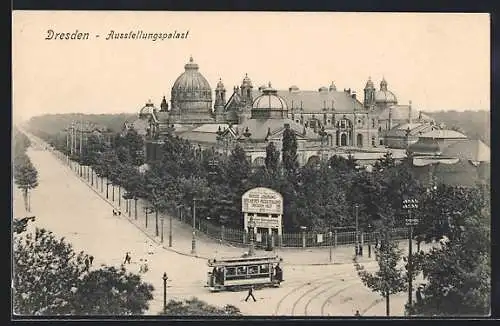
[207,247]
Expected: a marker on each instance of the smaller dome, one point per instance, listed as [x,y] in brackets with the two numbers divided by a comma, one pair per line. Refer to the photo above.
[270,100]
[323,89]
[262,87]
[385,97]
[293,89]
[246,81]
[147,109]
[332,87]
[369,84]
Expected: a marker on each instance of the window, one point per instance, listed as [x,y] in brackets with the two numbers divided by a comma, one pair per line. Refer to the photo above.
[373,123]
[381,142]
[253,269]
[230,271]
[264,269]
[359,121]
[373,141]
[241,270]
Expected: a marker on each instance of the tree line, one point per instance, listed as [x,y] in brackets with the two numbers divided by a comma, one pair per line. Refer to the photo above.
[25,174]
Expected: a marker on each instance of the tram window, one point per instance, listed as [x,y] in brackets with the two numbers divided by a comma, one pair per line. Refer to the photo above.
[264,269]
[230,271]
[241,270]
[253,269]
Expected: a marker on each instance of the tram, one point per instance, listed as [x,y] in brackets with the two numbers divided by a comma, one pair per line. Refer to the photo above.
[243,272]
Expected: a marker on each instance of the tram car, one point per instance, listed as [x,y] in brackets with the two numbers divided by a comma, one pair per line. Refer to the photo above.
[237,273]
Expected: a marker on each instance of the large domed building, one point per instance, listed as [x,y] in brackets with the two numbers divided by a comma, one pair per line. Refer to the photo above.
[191,97]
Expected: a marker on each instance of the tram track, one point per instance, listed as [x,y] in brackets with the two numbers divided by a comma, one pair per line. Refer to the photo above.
[306,308]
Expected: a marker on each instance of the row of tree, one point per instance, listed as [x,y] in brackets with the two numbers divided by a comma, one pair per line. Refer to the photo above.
[25,174]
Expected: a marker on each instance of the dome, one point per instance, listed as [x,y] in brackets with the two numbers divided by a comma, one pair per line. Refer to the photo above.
[323,89]
[147,110]
[384,95]
[191,97]
[246,81]
[269,105]
[191,79]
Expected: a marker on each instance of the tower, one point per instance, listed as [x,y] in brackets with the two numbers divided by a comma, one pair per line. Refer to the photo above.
[369,90]
[164,105]
[220,101]
[246,91]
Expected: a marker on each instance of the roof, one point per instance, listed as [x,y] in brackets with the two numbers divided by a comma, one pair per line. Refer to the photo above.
[400,112]
[443,134]
[428,146]
[259,128]
[415,129]
[473,150]
[140,125]
[199,137]
[314,101]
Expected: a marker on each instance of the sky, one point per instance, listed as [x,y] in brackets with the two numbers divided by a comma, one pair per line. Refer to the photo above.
[438,61]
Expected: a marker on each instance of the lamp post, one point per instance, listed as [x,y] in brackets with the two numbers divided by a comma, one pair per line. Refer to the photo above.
[410,204]
[370,241]
[330,239]
[356,206]
[193,241]
[251,248]
[165,278]
[303,228]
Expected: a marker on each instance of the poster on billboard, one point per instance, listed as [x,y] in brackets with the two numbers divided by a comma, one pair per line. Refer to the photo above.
[263,201]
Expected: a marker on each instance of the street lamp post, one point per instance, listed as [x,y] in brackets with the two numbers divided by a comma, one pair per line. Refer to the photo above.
[356,206]
[410,204]
[330,239]
[370,241]
[165,278]
[193,241]
[303,228]
[251,248]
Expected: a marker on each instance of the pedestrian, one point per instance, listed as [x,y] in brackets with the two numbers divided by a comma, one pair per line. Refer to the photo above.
[119,213]
[250,294]
[141,266]
[87,263]
[127,258]
[357,314]
[114,212]
[146,268]
[91,259]
[356,251]
[419,294]
[360,250]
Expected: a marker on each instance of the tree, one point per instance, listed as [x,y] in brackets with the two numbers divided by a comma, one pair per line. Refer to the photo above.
[458,273]
[289,151]
[272,157]
[26,177]
[389,279]
[51,279]
[196,307]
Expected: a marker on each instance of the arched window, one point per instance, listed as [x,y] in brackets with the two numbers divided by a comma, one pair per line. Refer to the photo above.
[373,141]
[343,140]
[373,123]
[359,140]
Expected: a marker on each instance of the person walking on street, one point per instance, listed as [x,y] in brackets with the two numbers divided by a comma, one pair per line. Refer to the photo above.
[127,258]
[250,294]
[91,260]
[357,314]
[87,263]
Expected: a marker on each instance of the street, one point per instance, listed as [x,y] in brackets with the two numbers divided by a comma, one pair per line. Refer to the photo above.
[66,205]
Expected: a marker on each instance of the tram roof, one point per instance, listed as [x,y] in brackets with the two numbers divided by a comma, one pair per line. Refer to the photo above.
[243,260]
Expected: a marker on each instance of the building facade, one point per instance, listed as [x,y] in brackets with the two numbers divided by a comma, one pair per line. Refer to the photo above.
[326,121]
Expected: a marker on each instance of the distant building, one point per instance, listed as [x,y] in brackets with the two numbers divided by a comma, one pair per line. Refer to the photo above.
[325,121]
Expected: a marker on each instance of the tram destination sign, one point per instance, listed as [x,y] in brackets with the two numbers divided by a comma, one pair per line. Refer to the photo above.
[262,200]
